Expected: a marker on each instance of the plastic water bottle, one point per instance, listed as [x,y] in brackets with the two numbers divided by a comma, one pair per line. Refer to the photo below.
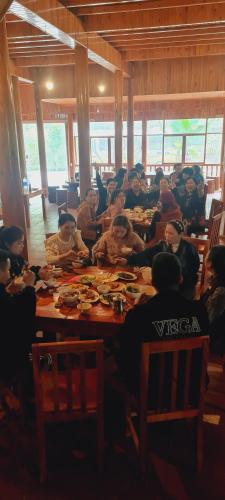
[25,185]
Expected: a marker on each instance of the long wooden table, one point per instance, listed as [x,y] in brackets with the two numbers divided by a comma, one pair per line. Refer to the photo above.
[100,322]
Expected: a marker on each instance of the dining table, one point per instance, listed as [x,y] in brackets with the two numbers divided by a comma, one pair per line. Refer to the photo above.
[100,322]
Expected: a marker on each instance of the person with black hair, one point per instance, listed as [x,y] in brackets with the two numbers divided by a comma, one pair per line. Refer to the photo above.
[66,245]
[154,192]
[116,206]
[17,312]
[12,240]
[197,175]
[165,316]
[119,177]
[135,196]
[214,297]
[192,204]
[104,193]
[87,219]
[174,244]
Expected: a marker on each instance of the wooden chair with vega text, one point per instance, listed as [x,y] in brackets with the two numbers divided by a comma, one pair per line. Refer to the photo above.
[181,404]
[74,392]
[215,230]
[202,247]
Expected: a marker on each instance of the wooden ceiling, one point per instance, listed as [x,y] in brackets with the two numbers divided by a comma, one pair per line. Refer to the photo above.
[45,32]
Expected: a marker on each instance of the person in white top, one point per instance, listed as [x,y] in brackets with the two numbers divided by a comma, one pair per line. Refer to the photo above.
[66,245]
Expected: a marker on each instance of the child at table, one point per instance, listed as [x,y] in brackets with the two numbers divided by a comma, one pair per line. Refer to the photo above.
[17,312]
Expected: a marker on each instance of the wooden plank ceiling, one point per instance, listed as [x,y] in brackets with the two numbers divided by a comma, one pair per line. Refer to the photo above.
[115,31]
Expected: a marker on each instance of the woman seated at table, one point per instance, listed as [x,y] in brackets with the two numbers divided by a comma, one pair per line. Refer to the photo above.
[168,210]
[192,205]
[156,189]
[173,243]
[67,245]
[120,240]
[214,298]
[86,218]
[12,240]
[116,206]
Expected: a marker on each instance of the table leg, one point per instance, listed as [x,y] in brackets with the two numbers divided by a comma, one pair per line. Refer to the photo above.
[43,206]
[27,210]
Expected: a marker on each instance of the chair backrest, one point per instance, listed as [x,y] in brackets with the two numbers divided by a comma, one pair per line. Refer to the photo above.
[65,382]
[177,379]
[215,230]
[202,247]
[216,208]
[160,231]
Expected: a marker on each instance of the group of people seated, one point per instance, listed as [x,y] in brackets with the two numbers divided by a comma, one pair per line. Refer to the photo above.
[174,262]
[181,195]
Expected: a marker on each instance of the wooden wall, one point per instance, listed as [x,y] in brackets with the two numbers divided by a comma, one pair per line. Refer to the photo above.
[156,78]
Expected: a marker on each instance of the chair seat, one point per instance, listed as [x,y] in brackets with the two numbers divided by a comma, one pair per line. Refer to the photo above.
[48,390]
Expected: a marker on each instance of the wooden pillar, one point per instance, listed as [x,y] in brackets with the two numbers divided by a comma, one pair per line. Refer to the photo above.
[41,139]
[19,126]
[222,165]
[81,75]
[130,125]
[118,92]
[144,143]
[70,146]
[10,181]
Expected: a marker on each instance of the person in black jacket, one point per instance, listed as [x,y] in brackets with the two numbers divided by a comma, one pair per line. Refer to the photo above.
[135,197]
[173,243]
[17,312]
[214,298]
[12,240]
[166,316]
[104,193]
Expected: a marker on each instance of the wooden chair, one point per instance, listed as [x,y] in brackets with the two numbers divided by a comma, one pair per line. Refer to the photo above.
[202,247]
[215,209]
[172,411]
[215,230]
[159,233]
[72,393]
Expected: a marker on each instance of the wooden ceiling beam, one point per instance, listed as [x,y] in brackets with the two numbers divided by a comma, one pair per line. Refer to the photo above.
[181,16]
[116,8]
[51,17]
[174,53]
[48,60]
[23,29]
[164,35]
[5,4]
[171,42]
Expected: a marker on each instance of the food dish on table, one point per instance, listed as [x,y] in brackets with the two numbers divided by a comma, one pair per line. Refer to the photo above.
[87,279]
[133,291]
[126,276]
[89,296]
[84,307]
[106,278]
[107,298]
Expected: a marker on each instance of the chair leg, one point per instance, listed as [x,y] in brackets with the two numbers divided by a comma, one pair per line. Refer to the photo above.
[199,443]
[41,442]
[143,449]
[100,442]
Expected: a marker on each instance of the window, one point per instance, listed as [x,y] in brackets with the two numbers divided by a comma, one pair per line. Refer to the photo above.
[99,150]
[173,149]
[137,149]
[124,152]
[154,149]
[195,146]
[32,153]
[102,129]
[56,152]
[213,148]
[155,127]
[185,126]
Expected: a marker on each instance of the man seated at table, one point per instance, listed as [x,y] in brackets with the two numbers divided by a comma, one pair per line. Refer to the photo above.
[166,316]
[135,197]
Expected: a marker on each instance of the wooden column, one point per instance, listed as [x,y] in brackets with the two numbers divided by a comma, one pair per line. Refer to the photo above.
[10,181]
[70,146]
[144,143]
[130,125]
[41,139]
[118,92]
[81,75]
[222,162]
[19,126]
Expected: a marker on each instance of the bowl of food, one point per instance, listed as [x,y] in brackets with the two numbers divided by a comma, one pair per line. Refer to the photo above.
[146,275]
[133,291]
[56,272]
[69,297]
[84,307]
[126,276]
[103,288]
